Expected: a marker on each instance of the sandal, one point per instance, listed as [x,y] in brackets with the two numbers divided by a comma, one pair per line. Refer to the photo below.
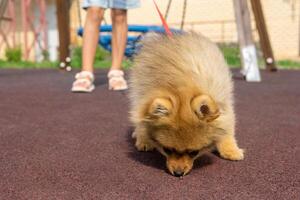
[84,82]
[116,80]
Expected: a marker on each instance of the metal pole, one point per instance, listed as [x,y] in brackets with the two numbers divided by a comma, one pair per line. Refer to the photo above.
[63,20]
[263,35]
[247,47]
[183,14]
[168,9]
[25,28]
[299,31]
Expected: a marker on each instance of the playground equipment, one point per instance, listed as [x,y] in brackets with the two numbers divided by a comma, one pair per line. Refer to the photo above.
[36,25]
[247,48]
[132,46]
[7,15]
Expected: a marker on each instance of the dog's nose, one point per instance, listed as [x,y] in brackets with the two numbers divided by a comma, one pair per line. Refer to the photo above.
[178,173]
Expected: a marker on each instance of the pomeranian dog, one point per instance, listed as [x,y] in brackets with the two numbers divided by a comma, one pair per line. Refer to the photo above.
[181,95]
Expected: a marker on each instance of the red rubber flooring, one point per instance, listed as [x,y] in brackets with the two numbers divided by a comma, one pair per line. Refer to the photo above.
[58,145]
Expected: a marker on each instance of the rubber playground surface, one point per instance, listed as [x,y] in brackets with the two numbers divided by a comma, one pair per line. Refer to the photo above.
[58,145]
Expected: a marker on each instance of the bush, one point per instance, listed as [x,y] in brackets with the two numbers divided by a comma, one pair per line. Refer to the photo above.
[231,54]
[46,55]
[101,55]
[13,54]
[76,57]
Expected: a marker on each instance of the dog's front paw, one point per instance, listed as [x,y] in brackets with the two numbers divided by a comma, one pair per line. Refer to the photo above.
[232,154]
[143,146]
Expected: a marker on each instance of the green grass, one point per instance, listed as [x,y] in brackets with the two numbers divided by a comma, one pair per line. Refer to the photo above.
[101,64]
[28,64]
[104,64]
[231,54]
[103,60]
[288,64]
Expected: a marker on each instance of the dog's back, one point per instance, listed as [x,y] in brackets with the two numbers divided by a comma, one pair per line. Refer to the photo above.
[180,61]
[181,100]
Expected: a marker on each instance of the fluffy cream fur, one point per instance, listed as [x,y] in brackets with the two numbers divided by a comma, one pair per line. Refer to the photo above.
[181,95]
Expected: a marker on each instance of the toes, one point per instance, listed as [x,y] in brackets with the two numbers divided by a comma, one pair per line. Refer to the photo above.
[233,154]
[144,147]
[133,135]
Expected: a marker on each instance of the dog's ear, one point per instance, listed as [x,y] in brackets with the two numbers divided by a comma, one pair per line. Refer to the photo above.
[160,107]
[205,108]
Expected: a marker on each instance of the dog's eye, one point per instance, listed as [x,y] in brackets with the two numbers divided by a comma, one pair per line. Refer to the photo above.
[193,153]
[167,151]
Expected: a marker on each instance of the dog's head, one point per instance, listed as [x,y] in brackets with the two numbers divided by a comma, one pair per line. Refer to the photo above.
[181,128]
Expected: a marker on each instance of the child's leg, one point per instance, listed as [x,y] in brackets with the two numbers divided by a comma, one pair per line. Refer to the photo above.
[84,80]
[91,36]
[119,36]
[119,39]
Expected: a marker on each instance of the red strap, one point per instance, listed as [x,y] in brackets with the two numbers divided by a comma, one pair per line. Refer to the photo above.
[165,25]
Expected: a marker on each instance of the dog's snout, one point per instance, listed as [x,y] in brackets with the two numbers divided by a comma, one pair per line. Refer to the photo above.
[178,173]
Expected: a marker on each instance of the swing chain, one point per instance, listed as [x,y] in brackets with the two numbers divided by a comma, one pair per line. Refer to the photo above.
[183,14]
[168,9]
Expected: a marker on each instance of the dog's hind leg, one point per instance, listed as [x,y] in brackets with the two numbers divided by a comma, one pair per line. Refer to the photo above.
[143,142]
